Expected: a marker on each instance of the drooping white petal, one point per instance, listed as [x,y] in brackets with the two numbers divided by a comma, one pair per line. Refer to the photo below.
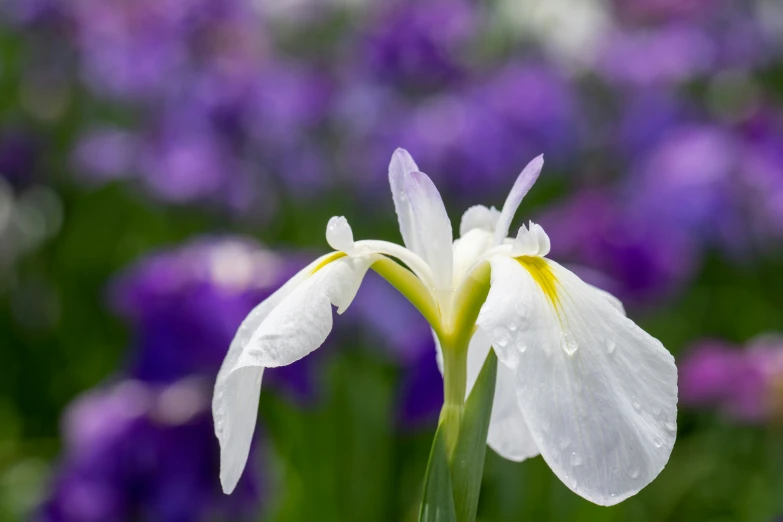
[521,187]
[479,217]
[301,322]
[339,234]
[286,326]
[598,393]
[424,223]
[508,434]
[235,404]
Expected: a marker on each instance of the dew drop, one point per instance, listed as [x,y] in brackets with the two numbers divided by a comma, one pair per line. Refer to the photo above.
[657,442]
[634,473]
[576,460]
[564,442]
[656,411]
[513,326]
[670,426]
[610,346]
[521,346]
[512,359]
[636,405]
[501,337]
[569,345]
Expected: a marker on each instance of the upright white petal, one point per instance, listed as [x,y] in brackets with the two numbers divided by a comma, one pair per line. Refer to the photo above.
[481,217]
[339,235]
[288,325]
[508,434]
[424,223]
[521,187]
[598,393]
[401,164]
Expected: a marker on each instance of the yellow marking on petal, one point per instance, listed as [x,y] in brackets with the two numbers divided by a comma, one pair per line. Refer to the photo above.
[334,256]
[542,274]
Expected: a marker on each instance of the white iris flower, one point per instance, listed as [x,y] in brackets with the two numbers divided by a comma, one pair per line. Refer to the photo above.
[578,382]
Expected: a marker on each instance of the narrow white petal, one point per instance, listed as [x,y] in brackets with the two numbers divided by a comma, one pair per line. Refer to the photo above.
[508,435]
[288,325]
[401,165]
[521,187]
[479,217]
[339,234]
[424,223]
[542,239]
[598,393]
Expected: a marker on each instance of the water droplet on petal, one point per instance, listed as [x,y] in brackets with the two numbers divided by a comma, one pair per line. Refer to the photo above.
[501,337]
[636,405]
[656,411]
[634,473]
[521,346]
[569,345]
[564,442]
[576,460]
[670,426]
[513,326]
[610,346]
[657,442]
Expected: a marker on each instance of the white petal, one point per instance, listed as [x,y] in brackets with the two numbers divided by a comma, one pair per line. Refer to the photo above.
[542,239]
[339,234]
[479,217]
[508,435]
[525,244]
[521,187]
[286,326]
[424,223]
[468,250]
[615,302]
[401,164]
[301,322]
[598,393]
[235,403]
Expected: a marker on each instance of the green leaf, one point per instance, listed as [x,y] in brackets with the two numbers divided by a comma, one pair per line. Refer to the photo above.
[437,504]
[467,465]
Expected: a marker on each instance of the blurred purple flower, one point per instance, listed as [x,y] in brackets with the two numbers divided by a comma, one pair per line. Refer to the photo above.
[672,54]
[186,304]
[139,452]
[417,45]
[744,383]
[106,154]
[476,136]
[647,11]
[639,260]
[720,184]
[18,157]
